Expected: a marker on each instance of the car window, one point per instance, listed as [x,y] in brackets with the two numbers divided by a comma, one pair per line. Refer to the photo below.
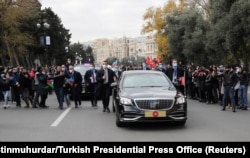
[145,80]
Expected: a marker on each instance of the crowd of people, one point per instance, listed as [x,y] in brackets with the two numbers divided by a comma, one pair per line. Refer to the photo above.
[226,84]
[31,87]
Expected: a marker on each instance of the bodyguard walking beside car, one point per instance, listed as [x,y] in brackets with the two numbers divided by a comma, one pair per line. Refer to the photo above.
[90,81]
[105,77]
[77,85]
[175,74]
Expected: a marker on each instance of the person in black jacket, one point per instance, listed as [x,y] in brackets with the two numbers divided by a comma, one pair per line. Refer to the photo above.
[59,80]
[4,86]
[105,77]
[230,80]
[175,73]
[26,84]
[90,81]
[42,88]
[77,85]
[16,86]
[242,91]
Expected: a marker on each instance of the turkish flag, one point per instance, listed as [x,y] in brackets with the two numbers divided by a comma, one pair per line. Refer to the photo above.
[182,80]
[158,60]
[148,61]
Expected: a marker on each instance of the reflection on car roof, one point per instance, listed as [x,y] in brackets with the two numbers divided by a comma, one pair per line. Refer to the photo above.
[142,72]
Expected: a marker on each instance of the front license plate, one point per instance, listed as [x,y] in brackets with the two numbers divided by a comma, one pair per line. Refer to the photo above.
[155,113]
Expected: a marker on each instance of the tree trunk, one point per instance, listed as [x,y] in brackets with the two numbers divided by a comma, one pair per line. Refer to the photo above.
[9,51]
[15,57]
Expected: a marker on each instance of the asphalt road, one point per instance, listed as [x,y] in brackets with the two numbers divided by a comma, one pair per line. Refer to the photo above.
[206,122]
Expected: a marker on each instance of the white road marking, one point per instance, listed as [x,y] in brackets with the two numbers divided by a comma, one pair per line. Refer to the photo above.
[60,118]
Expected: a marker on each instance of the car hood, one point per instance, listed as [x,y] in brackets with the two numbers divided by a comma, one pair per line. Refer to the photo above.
[147,92]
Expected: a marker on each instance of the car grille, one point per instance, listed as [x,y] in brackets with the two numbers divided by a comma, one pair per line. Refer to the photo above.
[154,104]
[83,87]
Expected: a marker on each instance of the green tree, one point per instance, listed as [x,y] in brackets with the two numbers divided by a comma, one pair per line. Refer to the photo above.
[86,53]
[186,32]
[59,38]
[216,37]
[238,34]
[15,37]
[155,23]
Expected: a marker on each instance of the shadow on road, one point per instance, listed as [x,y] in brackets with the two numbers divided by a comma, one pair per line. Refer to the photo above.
[153,126]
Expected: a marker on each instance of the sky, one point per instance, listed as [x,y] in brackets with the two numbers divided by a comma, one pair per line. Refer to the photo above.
[89,20]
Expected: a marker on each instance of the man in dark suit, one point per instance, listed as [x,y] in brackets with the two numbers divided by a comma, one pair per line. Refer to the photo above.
[175,74]
[90,80]
[77,85]
[105,77]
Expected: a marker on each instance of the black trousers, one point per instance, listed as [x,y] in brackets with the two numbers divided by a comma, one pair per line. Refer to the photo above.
[76,92]
[97,92]
[43,100]
[17,92]
[91,89]
[106,93]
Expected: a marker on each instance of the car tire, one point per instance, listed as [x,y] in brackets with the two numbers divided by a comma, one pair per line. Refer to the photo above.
[113,100]
[118,121]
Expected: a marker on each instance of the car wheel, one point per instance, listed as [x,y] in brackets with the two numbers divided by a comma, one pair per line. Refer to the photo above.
[113,103]
[118,121]
[113,108]
[181,123]
[113,100]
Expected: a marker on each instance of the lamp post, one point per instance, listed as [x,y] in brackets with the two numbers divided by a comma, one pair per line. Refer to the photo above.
[76,59]
[45,40]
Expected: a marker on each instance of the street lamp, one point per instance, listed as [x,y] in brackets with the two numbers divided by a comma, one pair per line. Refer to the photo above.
[45,40]
[76,59]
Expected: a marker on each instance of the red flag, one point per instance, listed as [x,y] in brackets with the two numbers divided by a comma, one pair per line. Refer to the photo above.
[148,61]
[182,80]
[32,74]
[158,60]
[152,65]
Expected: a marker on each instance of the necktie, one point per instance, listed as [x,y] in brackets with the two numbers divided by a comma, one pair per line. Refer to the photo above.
[93,76]
[175,75]
[106,76]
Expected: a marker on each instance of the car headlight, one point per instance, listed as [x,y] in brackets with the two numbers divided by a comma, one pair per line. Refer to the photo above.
[180,100]
[125,101]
